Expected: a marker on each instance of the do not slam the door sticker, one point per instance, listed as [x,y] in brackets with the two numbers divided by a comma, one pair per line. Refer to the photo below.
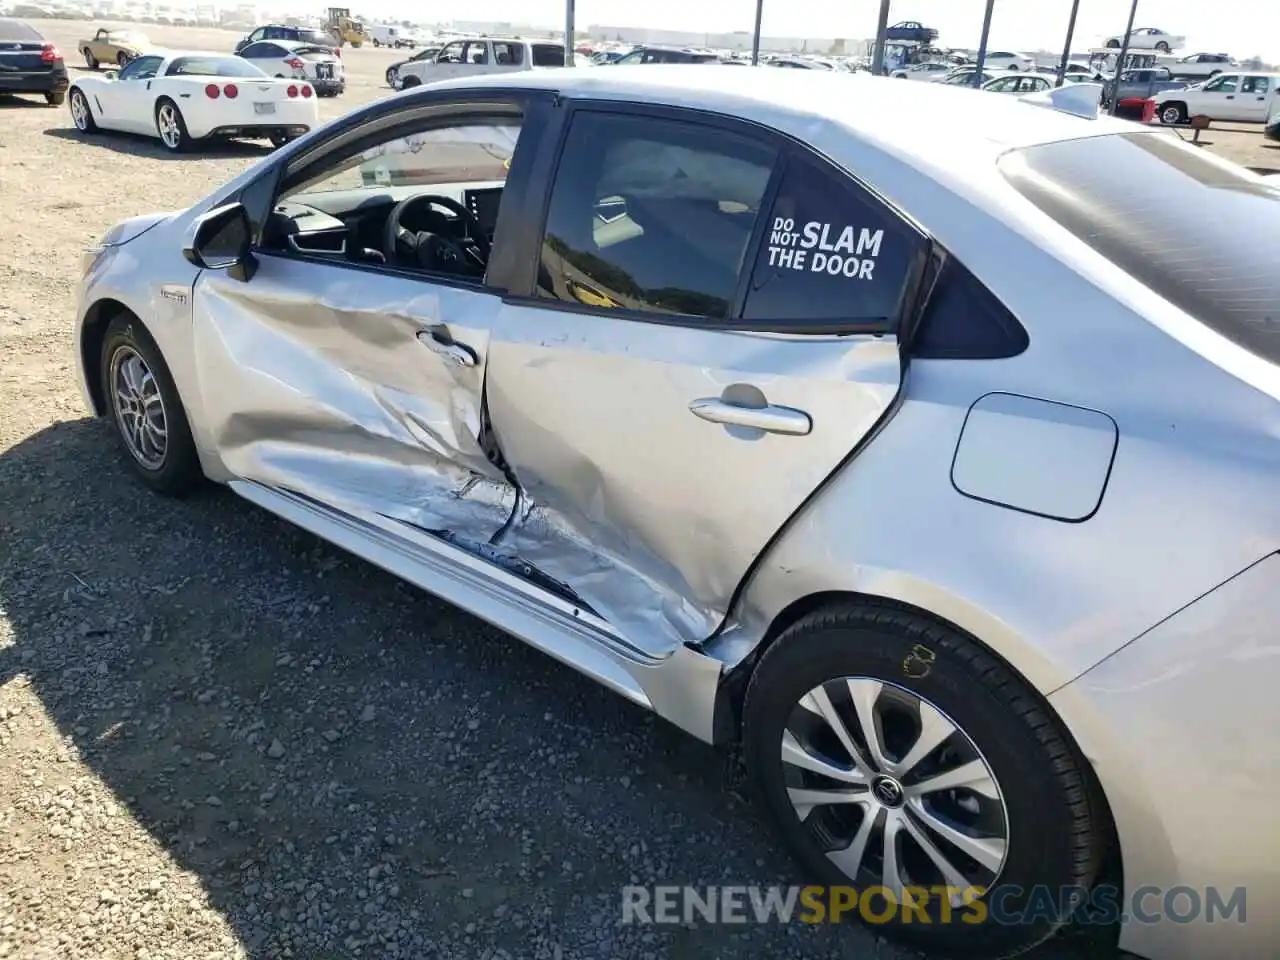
[817,247]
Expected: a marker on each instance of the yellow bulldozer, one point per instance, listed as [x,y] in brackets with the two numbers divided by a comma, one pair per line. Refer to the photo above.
[344,29]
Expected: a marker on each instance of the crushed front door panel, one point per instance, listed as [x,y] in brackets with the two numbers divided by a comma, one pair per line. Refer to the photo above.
[354,388]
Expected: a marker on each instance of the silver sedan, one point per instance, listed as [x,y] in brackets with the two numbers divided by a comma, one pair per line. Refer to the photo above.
[943,479]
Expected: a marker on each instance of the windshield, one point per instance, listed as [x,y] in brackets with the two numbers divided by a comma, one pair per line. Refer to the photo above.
[212,67]
[1197,230]
[474,153]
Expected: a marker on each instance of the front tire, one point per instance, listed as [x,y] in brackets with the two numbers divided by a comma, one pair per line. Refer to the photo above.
[1173,113]
[122,59]
[171,127]
[895,753]
[1113,44]
[1162,47]
[392,75]
[81,115]
[90,60]
[146,411]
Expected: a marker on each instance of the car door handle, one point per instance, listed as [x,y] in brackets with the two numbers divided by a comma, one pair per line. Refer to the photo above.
[1231,96]
[771,419]
[438,341]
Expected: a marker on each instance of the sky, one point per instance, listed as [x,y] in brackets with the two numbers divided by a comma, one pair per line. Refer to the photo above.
[1244,28]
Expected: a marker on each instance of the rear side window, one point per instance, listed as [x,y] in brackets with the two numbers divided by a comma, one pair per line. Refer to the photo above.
[831,253]
[508,54]
[1201,232]
[652,215]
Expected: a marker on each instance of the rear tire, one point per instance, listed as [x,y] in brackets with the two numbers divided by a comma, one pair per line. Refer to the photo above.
[1162,47]
[171,127]
[122,59]
[90,60]
[130,355]
[55,98]
[1020,796]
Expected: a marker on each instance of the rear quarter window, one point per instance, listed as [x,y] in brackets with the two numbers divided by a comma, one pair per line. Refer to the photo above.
[1199,231]
[548,55]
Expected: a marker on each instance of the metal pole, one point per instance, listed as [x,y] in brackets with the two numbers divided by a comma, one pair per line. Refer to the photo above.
[1124,51]
[755,37]
[982,43]
[1066,47]
[568,32]
[882,28]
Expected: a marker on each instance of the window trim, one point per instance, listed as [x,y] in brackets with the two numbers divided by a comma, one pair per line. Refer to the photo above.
[384,117]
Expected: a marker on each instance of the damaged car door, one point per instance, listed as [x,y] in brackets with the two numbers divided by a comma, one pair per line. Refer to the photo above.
[350,366]
[711,333]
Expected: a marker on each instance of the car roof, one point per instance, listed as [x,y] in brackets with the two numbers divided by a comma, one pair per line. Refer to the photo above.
[909,120]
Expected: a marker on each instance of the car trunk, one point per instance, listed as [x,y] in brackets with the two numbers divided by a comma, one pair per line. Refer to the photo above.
[320,64]
[26,58]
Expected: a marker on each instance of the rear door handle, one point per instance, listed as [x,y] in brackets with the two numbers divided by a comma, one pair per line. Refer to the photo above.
[771,419]
[438,341]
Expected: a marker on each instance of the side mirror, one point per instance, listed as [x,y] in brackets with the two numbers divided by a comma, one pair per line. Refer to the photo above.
[222,240]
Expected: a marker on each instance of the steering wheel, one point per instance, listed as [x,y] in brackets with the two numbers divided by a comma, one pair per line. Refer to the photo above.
[434,251]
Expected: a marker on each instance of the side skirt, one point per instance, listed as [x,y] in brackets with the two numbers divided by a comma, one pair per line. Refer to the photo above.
[681,686]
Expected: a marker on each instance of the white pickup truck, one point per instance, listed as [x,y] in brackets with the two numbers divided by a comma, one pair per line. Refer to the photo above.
[479,55]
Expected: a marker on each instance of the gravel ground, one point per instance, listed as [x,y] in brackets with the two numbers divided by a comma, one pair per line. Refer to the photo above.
[220,737]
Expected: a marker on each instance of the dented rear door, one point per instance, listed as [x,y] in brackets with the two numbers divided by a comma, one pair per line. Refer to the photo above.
[355,388]
[710,335]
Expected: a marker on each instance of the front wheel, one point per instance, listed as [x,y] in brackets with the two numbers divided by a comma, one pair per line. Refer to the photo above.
[1172,113]
[900,758]
[147,412]
[392,76]
[81,115]
[90,60]
[171,127]
[1162,47]
[122,59]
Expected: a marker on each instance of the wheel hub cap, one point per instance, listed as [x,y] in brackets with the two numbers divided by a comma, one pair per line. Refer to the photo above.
[892,789]
[887,791]
[139,408]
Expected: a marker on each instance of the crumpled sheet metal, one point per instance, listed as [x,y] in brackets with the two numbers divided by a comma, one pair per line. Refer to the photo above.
[331,395]
[645,610]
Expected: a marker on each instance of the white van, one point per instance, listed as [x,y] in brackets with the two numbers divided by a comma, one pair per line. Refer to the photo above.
[386,35]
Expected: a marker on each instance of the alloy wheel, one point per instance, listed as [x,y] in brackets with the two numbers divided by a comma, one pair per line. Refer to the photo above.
[167,121]
[139,408]
[79,110]
[892,789]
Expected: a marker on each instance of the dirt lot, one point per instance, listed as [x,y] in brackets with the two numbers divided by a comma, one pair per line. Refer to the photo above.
[221,738]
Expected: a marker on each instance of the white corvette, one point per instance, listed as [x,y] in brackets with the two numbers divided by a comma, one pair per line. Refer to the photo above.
[183,96]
